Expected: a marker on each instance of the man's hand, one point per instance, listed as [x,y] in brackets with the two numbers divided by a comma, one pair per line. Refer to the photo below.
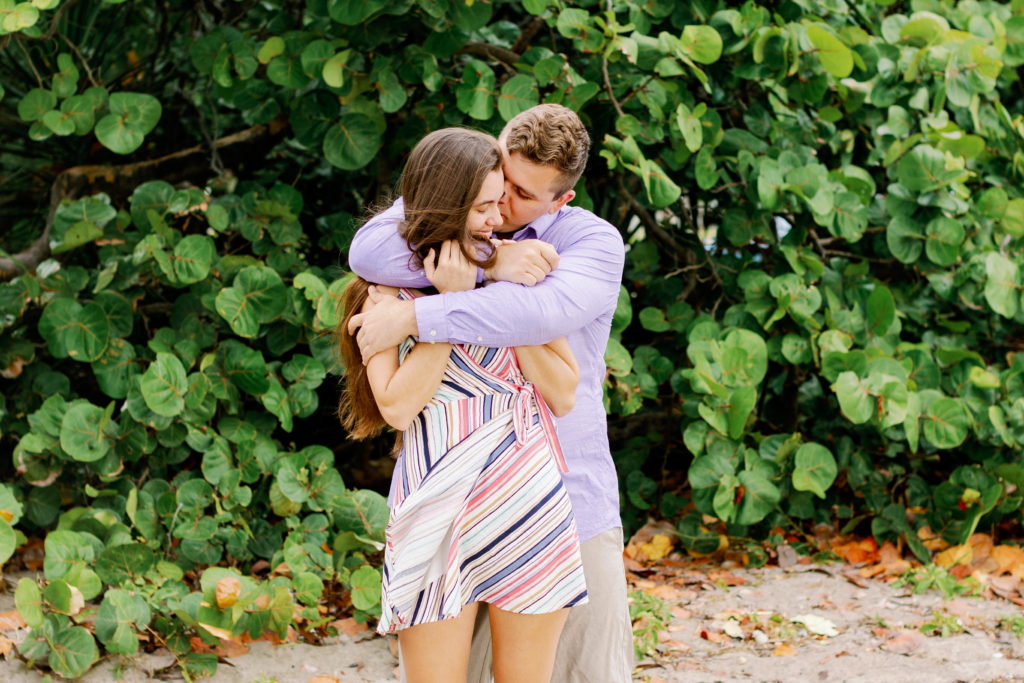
[453,272]
[526,262]
[385,325]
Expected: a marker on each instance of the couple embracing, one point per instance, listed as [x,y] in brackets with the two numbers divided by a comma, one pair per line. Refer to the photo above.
[504,545]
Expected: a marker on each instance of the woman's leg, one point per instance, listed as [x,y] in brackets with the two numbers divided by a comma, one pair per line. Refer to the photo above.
[524,645]
[439,651]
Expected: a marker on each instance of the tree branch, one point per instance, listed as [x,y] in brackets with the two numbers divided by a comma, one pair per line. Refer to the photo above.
[121,180]
[500,54]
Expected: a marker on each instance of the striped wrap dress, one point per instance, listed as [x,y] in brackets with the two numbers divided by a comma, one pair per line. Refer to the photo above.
[478,509]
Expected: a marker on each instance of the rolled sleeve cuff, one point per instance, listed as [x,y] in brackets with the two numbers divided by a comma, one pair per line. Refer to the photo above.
[431,318]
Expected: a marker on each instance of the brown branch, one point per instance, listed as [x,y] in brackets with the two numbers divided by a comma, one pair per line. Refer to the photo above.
[121,180]
[500,54]
[608,86]
[31,64]
[88,71]
[523,41]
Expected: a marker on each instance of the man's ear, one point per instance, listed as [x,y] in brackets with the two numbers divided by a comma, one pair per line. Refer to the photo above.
[562,201]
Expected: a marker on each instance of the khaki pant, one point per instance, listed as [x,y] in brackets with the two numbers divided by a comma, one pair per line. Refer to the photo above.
[597,642]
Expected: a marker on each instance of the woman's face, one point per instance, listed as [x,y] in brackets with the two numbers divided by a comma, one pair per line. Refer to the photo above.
[484,217]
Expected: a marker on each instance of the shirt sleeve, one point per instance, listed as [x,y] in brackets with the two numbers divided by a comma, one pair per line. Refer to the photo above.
[379,254]
[583,286]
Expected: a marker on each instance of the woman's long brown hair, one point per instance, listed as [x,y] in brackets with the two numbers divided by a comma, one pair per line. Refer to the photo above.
[440,181]
[357,408]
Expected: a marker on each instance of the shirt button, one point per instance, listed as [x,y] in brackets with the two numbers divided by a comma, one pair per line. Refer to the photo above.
[433,333]
[479,338]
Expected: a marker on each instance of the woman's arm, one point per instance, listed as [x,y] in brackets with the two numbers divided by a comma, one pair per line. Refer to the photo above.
[553,370]
[402,390]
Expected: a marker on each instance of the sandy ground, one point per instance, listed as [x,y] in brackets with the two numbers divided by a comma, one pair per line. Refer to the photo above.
[717,632]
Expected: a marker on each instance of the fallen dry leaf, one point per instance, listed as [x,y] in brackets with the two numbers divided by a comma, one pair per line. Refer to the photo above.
[930,540]
[955,555]
[657,548]
[645,535]
[982,546]
[6,645]
[323,679]
[9,621]
[904,643]
[819,626]
[1009,559]
[349,626]
[725,577]
[784,650]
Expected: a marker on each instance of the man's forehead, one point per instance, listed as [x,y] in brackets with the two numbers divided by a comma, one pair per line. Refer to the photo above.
[538,179]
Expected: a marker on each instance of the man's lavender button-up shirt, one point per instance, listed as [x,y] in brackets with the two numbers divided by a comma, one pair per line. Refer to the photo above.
[576,300]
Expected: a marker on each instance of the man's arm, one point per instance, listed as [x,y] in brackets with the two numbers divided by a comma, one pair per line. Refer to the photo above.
[379,254]
[507,314]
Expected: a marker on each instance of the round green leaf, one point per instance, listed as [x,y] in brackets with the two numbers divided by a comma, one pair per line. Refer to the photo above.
[34,105]
[307,588]
[120,613]
[760,496]
[81,433]
[617,358]
[1001,291]
[1013,218]
[29,601]
[73,651]
[392,94]
[245,368]
[881,311]
[814,469]
[475,94]
[855,401]
[164,385]
[702,44]
[834,55]
[60,123]
[119,138]
[352,142]
[923,169]
[334,69]
[946,422]
[8,541]
[257,296]
[120,563]
[904,239]
[518,94]
[944,237]
[193,257]
[305,370]
[115,368]
[365,585]
[86,336]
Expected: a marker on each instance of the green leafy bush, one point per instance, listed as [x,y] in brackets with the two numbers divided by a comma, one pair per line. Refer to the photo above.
[819,319]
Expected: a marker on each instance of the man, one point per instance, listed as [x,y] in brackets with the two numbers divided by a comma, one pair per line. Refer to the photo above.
[571,263]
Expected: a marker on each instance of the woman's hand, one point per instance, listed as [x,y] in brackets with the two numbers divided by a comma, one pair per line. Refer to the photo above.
[453,272]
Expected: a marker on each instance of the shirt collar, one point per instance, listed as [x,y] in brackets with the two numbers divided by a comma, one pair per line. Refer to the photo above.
[541,225]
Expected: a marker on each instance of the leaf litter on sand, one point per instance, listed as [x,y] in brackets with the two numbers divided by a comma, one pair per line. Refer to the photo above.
[657,565]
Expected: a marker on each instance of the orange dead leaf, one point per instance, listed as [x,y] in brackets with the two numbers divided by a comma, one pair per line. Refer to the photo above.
[349,626]
[228,590]
[957,554]
[9,621]
[323,679]
[664,591]
[784,650]
[6,645]
[216,631]
[635,549]
[231,648]
[726,578]
[1009,558]
[890,563]
[856,552]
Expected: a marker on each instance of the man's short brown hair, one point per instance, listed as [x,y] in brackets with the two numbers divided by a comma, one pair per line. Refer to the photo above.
[551,135]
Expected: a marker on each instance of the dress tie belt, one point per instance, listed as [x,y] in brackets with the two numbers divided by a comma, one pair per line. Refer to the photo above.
[527,400]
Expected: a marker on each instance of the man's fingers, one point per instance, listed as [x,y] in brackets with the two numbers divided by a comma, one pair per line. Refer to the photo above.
[549,254]
[354,323]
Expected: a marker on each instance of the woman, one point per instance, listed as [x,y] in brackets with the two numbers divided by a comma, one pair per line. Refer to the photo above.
[478,511]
